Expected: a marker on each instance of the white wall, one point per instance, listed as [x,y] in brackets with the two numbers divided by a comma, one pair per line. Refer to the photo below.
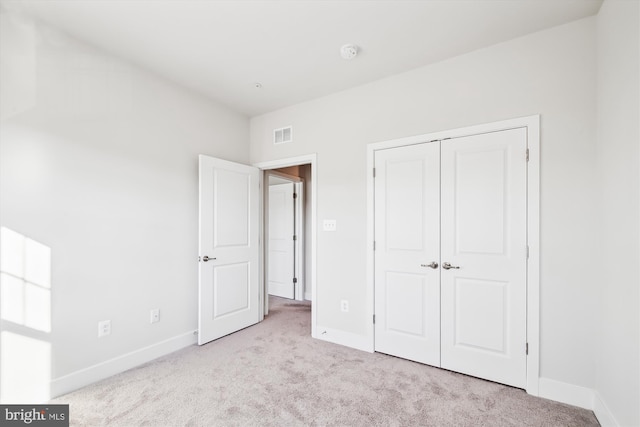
[552,73]
[618,361]
[100,165]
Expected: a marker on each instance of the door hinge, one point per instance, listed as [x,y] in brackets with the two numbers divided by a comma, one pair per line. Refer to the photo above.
[527,251]
[199,258]
[295,237]
[295,195]
[374,319]
[295,280]
[374,245]
[527,154]
[527,349]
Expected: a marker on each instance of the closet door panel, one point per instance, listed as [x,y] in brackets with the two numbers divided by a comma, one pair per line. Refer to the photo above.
[483,293]
[407,230]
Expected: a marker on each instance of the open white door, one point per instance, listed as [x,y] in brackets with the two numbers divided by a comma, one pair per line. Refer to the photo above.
[228,285]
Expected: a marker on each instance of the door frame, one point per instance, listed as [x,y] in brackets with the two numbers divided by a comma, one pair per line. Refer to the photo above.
[298,218]
[532,124]
[312,187]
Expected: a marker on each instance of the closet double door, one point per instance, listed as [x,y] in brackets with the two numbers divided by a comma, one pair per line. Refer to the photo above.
[451,254]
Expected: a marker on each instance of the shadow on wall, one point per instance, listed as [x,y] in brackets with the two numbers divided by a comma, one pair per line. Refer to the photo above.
[25,325]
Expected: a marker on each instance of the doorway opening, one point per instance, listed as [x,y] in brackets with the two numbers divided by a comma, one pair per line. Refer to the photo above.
[297,259]
[285,231]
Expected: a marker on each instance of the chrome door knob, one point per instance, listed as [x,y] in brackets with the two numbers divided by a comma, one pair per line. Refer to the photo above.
[206,258]
[448,266]
[433,265]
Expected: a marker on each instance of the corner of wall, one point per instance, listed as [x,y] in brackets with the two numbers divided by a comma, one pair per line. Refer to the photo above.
[603,413]
[581,397]
[570,394]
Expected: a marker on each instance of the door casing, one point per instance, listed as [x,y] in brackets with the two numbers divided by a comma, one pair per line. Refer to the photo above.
[298,218]
[282,163]
[532,125]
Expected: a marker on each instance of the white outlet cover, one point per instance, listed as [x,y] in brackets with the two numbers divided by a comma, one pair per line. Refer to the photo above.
[104,328]
[329,225]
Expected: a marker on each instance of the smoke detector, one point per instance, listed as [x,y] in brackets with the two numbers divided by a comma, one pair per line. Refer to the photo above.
[349,51]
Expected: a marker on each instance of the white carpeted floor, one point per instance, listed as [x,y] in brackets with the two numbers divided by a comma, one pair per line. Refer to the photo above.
[275,374]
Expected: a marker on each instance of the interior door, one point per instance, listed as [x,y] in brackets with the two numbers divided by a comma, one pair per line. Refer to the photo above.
[281,244]
[228,245]
[407,248]
[484,239]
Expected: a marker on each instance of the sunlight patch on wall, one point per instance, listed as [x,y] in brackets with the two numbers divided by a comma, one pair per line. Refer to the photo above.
[25,311]
[25,363]
[25,281]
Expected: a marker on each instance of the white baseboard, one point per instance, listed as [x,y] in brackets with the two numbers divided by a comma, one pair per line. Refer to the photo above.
[603,414]
[348,339]
[100,371]
[566,393]
[582,397]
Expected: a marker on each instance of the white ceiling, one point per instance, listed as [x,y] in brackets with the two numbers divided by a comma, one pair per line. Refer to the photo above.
[222,48]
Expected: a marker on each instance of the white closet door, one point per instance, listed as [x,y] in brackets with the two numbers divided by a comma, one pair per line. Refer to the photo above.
[484,226]
[407,289]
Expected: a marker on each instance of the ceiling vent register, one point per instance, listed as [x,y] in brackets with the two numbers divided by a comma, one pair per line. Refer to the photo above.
[282,135]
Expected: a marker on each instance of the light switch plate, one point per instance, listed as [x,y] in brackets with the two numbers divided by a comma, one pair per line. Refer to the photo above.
[329,225]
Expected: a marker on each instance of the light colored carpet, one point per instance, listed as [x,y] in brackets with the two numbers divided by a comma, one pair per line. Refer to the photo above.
[275,374]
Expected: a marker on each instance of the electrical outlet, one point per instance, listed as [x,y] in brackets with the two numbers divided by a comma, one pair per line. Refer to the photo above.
[344,306]
[329,225]
[155,315]
[104,328]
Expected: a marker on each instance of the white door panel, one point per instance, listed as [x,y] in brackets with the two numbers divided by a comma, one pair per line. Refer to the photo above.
[479,185]
[233,281]
[228,221]
[231,217]
[484,234]
[407,240]
[281,244]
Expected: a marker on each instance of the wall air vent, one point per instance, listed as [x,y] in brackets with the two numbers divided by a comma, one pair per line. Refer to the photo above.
[282,135]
